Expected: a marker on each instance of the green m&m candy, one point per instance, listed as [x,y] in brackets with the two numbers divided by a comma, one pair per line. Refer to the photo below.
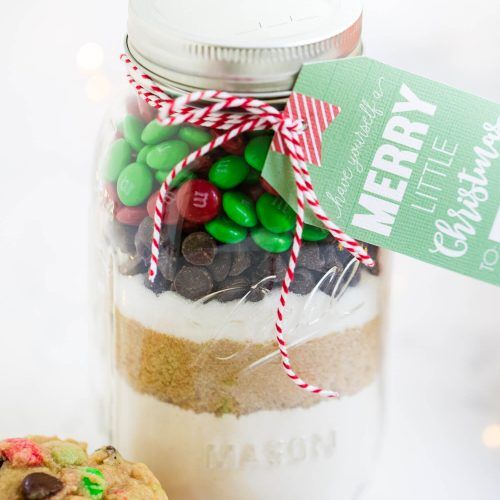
[225,230]
[271,242]
[194,136]
[313,233]
[240,208]
[132,130]
[93,482]
[118,157]
[256,151]
[274,214]
[228,172]
[167,155]
[143,154]
[154,132]
[135,184]
[181,177]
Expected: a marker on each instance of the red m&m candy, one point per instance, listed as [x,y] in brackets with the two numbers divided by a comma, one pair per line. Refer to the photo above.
[198,201]
[171,216]
[131,216]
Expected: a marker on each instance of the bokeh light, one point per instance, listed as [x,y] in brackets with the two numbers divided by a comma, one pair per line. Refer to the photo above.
[98,88]
[491,436]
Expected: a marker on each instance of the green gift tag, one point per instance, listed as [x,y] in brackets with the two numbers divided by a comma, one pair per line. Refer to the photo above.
[409,164]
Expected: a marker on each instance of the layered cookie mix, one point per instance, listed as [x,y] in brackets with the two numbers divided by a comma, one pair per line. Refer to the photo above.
[37,468]
[195,351]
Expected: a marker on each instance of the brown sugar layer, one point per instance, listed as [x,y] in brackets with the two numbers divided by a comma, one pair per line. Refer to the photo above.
[226,376]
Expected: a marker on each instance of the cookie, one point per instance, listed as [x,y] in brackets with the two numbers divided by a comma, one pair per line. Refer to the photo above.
[37,468]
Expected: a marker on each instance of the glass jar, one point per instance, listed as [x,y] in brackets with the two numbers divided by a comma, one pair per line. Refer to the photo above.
[198,391]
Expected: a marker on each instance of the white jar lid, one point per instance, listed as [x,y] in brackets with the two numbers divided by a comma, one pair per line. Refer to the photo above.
[254,47]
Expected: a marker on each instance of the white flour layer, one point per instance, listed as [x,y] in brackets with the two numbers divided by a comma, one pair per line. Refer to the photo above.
[314,315]
[319,453]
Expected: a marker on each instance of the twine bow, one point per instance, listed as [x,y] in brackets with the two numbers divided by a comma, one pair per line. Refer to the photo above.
[252,114]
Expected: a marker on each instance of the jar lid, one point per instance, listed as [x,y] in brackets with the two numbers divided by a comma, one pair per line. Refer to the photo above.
[253,47]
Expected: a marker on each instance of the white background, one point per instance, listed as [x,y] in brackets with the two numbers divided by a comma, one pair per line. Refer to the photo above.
[443,355]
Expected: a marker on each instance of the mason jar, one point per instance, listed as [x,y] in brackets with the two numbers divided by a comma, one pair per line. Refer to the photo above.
[198,391]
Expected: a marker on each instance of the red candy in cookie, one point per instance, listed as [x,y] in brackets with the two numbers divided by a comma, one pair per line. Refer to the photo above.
[131,216]
[198,201]
[21,452]
[171,216]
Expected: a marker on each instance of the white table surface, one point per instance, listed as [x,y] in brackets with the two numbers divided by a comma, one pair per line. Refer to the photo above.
[443,351]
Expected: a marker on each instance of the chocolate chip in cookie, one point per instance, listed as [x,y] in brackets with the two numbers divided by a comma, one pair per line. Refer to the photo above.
[39,485]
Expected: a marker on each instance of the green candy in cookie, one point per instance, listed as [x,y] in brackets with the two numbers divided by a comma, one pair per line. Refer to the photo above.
[118,157]
[155,132]
[271,242]
[135,184]
[166,155]
[93,482]
[256,151]
[132,128]
[195,137]
[68,454]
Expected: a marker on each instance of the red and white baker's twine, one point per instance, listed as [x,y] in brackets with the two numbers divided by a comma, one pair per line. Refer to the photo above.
[252,115]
